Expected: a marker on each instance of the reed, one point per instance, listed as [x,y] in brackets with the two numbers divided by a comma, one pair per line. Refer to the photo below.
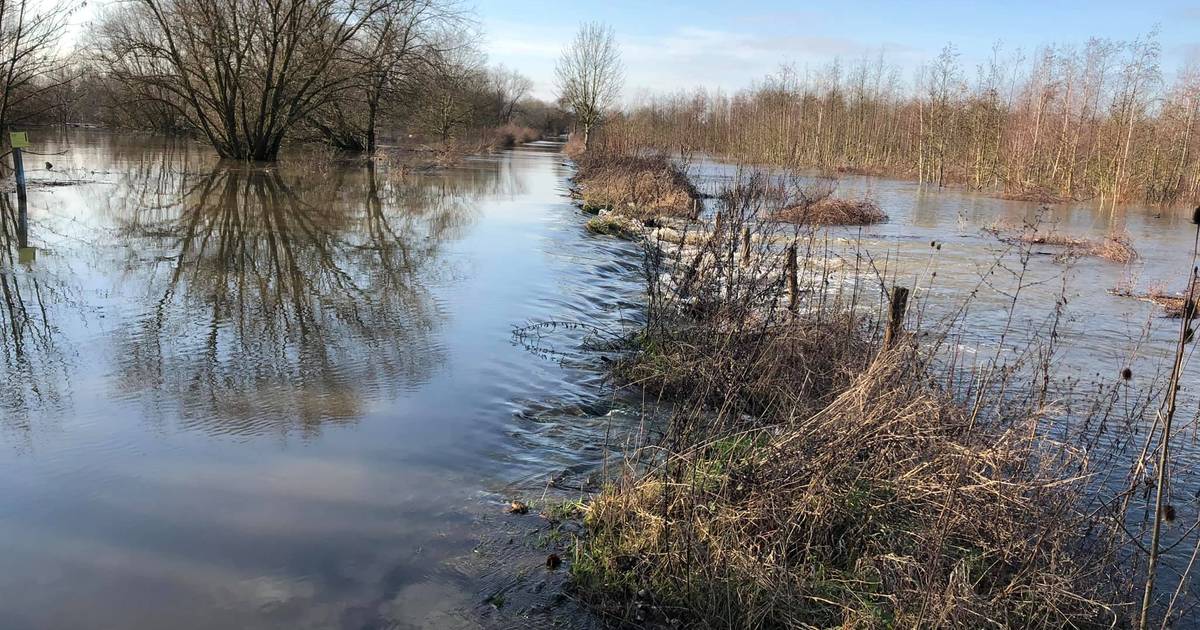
[805,476]
[636,186]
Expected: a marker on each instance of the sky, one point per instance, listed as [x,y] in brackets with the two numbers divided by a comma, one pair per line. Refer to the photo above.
[673,45]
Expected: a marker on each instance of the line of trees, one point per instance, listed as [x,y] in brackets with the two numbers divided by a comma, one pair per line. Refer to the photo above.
[251,75]
[1091,121]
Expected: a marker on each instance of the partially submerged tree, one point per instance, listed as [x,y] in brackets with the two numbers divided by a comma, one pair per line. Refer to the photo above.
[32,70]
[449,98]
[241,72]
[589,75]
[400,48]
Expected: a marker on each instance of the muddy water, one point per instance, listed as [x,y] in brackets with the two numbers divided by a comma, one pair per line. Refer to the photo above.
[290,397]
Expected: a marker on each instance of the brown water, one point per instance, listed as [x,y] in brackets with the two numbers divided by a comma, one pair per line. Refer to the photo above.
[291,397]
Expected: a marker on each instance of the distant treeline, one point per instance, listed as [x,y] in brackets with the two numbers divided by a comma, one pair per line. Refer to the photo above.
[249,76]
[1090,122]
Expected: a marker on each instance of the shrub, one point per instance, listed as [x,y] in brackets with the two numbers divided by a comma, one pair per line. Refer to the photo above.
[642,187]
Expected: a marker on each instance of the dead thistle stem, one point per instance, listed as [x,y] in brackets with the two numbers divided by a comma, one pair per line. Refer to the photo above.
[1165,446]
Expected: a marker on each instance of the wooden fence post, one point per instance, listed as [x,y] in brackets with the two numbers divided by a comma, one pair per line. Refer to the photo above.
[792,271]
[895,324]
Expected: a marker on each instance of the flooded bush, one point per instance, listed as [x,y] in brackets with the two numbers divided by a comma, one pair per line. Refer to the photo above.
[635,186]
[833,211]
[808,476]
[511,135]
[1115,247]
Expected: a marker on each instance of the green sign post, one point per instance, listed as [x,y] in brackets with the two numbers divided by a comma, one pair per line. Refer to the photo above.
[20,140]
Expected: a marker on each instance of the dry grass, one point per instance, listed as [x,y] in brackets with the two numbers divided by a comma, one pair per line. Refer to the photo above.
[1115,247]
[884,508]
[804,478]
[641,187]
[511,135]
[574,147]
[833,211]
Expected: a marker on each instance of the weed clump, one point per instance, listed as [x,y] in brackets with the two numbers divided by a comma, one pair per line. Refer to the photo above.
[834,211]
[1115,247]
[635,186]
[611,224]
[806,477]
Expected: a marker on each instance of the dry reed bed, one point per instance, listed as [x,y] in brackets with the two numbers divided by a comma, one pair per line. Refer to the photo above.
[833,211]
[641,187]
[1114,247]
[806,479]
[1173,306]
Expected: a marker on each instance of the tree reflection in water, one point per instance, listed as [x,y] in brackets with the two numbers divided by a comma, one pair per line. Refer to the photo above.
[33,371]
[280,303]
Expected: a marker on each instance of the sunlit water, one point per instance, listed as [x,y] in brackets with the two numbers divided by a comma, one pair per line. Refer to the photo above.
[291,397]
[288,397]
[976,287]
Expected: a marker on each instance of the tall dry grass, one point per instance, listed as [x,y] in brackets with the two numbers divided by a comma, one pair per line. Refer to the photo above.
[636,186]
[805,477]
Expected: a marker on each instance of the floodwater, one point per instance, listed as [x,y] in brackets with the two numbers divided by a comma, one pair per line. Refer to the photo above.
[291,397]
[1002,307]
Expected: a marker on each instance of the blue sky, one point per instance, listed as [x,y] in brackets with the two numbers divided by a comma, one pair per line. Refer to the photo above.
[672,44]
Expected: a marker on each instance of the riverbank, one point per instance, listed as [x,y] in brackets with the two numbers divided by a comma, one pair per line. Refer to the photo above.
[805,475]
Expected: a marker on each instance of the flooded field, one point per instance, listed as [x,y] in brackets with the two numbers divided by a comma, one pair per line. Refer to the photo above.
[291,396]
[286,397]
[969,281]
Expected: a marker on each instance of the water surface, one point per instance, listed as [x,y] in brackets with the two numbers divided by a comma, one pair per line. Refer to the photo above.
[290,396]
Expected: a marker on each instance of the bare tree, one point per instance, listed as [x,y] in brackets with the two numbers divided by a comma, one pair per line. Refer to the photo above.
[403,45]
[449,96]
[241,72]
[507,88]
[31,64]
[589,75]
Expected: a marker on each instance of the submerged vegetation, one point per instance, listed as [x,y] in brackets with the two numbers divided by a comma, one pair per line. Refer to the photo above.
[833,211]
[808,474]
[640,187]
[1114,247]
